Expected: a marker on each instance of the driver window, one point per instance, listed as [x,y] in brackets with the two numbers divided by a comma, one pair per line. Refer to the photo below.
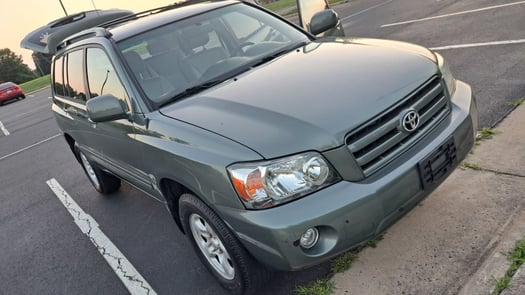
[101,75]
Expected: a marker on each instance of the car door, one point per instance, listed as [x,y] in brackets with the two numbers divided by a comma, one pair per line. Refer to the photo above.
[308,8]
[115,140]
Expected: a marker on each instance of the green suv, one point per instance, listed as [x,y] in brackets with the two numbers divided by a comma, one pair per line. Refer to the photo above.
[271,148]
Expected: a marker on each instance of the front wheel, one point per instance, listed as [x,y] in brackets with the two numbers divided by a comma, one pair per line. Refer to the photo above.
[103,182]
[219,249]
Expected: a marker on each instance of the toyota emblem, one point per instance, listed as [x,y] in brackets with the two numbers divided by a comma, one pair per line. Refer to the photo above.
[409,120]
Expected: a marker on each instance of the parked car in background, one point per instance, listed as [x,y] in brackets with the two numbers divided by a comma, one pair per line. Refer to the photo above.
[9,91]
[271,148]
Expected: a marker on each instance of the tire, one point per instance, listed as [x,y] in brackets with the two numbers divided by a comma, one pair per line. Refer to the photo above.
[228,261]
[103,182]
[22,96]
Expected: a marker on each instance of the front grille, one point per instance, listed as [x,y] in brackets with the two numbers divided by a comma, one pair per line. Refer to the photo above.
[380,141]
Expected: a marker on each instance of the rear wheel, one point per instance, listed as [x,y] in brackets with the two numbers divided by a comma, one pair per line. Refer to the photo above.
[103,182]
[219,249]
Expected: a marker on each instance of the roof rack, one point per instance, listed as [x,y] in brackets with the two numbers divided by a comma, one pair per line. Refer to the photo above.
[93,32]
[150,12]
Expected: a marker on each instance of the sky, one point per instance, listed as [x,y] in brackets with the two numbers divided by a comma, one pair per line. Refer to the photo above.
[20,17]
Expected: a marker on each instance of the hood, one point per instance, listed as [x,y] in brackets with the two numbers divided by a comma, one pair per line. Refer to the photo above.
[310,98]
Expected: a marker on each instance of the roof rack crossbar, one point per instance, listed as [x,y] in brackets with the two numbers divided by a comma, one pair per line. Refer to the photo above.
[93,32]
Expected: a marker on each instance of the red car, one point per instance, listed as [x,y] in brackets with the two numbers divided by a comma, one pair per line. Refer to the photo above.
[10,90]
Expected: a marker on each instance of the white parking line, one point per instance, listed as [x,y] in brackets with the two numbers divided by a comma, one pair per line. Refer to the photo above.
[129,276]
[453,14]
[31,146]
[519,41]
[2,127]
[365,10]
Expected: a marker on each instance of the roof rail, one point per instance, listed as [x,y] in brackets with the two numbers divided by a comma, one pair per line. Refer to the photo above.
[150,12]
[93,32]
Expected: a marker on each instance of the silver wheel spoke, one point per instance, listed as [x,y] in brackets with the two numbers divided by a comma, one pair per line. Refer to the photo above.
[89,171]
[211,246]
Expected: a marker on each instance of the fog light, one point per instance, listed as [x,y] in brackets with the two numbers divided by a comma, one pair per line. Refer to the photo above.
[309,238]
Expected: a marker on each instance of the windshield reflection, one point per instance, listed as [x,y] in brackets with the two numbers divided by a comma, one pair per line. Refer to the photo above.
[188,56]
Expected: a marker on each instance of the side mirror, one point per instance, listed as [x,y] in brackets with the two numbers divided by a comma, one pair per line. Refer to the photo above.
[323,21]
[105,108]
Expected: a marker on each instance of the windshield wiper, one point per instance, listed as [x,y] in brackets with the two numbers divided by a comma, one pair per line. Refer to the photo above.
[278,53]
[192,90]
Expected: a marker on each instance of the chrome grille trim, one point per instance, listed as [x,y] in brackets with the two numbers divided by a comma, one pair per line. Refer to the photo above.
[379,141]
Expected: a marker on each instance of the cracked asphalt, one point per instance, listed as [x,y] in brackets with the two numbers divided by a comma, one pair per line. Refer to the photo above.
[43,250]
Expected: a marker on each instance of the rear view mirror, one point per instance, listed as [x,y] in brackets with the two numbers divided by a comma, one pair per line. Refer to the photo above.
[323,21]
[105,108]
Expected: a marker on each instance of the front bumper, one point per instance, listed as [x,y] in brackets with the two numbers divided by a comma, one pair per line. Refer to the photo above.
[348,214]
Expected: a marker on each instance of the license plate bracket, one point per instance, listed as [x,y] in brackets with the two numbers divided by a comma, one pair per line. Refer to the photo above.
[435,166]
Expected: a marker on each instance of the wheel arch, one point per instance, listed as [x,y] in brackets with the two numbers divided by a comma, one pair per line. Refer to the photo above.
[172,191]
[72,145]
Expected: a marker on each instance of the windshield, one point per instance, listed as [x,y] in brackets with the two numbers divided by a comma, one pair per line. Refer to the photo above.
[190,55]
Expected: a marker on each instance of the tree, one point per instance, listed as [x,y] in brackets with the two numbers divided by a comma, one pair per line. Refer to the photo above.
[13,69]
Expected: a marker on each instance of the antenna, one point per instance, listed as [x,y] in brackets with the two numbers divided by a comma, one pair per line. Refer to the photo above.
[93,3]
[63,8]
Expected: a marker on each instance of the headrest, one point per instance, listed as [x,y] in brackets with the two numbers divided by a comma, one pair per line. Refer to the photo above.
[195,36]
[159,45]
[138,66]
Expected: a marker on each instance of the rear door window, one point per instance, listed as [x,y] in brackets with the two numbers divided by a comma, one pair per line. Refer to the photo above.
[75,76]
[58,77]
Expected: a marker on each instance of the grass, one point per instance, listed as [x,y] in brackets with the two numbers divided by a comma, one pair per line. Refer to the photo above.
[470,166]
[344,262]
[35,84]
[517,102]
[319,287]
[285,4]
[484,134]
[280,4]
[339,264]
[517,257]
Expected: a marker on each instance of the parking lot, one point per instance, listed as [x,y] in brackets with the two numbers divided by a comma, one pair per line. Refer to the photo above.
[45,249]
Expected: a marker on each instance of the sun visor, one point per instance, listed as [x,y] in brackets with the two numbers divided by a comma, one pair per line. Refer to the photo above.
[46,38]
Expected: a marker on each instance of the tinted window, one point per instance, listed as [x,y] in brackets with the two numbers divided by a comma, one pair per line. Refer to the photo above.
[75,76]
[58,77]
[101,75]
[6,85]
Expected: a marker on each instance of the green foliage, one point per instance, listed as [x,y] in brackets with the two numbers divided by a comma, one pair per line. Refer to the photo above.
[290,5]
[319,287]
[13,69]
[344,262]
[484,134]
[280,4]
[373,243]
[517,102]
[501,284]
[468,165]
[517,257]
[35,84]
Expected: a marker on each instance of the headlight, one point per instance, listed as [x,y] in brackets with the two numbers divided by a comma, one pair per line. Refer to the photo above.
[266,184]
[446,74]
